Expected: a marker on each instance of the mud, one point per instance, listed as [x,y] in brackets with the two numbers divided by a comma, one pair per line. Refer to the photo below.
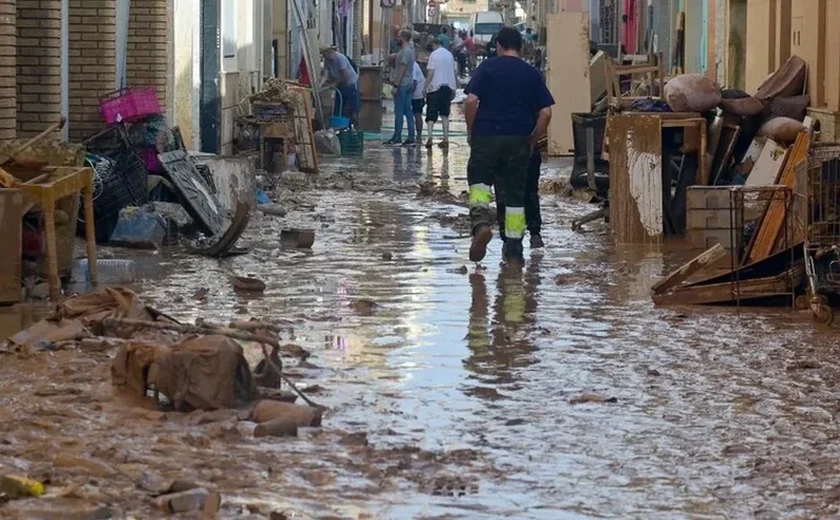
[550,392]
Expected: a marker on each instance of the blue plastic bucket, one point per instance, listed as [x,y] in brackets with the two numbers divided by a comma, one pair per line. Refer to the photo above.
[339,122]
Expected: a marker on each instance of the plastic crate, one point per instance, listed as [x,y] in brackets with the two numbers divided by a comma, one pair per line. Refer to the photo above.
[352,142]
[129,104]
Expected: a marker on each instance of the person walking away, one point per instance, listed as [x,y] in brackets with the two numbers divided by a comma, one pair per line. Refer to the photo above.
[403,87]
[440,89]
[472,51]
[418,100]
[444,37]
[507,109]
[458,52]
[533,215]
[339,74]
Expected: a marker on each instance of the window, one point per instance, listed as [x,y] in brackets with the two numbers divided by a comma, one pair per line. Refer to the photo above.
[229,28]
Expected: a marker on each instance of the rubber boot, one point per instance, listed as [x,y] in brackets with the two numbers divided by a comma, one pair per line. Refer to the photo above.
[481,237]
[512,250]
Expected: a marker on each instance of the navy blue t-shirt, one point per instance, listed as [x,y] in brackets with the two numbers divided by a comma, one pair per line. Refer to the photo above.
[510,95]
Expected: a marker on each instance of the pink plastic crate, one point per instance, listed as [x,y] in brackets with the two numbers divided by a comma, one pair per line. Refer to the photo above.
[129,104]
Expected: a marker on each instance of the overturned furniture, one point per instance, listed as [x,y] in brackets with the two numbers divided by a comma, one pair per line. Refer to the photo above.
[647,190]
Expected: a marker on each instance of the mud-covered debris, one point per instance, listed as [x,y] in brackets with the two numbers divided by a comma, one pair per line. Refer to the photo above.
[562,279]
[515,422]
[295,351]
[86,465]
[152,483]
[13,487]
[268,410]
[280,427]
[387,256]
[201,293]
[273,209]
[198,499]
[804,365]
[653,372]
[364,306]
[248,284]
[554,187]
[458,270]
[587,397]
[298,238]
[355,439]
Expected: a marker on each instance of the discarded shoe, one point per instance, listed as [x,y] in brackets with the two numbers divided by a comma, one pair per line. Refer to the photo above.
[512,250]
[537,241]
[429,144]
[481,237]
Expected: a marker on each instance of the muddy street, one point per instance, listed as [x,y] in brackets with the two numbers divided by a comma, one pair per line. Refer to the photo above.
[453,391]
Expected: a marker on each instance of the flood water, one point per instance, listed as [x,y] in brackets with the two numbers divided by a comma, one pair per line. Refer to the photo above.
[555,391]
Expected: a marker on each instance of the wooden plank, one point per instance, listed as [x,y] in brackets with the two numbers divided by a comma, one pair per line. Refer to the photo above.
[727,292]
[11,225]
[636,205]
[774,217]
[697,264]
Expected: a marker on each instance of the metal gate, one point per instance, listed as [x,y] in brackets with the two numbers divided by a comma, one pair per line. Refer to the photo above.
[210,113]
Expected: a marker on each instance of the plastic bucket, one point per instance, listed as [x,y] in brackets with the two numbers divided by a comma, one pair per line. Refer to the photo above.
[339,122]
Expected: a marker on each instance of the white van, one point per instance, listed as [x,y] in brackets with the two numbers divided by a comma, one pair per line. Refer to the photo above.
[485,25]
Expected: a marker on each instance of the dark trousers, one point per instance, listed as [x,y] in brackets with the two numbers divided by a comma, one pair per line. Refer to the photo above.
[533,216]
[501,161]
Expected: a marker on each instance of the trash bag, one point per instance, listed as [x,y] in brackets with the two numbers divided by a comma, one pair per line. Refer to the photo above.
[326,142]
[202,373]
[692,93]
[781,129]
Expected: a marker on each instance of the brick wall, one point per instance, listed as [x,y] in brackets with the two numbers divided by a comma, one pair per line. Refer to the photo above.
[92,62]
[146,54]
[38,65]
[8,108]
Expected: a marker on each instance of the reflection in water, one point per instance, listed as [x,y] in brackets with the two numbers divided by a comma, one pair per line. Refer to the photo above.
[499,349]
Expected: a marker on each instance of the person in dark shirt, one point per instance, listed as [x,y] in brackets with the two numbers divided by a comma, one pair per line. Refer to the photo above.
[508,109]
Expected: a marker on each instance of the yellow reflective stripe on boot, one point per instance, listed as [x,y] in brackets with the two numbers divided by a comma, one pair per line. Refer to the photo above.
[515,222]
[480,195]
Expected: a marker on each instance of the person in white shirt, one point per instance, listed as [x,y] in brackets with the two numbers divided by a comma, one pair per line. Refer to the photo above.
[440,90]
[418,99]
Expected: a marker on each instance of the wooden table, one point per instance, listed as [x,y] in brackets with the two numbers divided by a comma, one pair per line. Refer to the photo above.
[46,189]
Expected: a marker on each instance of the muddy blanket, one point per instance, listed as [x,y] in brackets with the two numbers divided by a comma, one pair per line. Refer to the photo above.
[206,372]
[788,81]
[94,307]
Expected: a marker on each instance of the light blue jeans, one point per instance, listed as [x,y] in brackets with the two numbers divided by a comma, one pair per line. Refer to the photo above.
[402,109]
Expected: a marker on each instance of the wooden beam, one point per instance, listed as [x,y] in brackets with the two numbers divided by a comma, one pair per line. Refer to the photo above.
[774,217]
[699,263]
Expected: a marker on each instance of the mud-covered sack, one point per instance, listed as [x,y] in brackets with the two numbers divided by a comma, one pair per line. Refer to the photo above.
[206,372]
[692,93]
[95,307]
[787,81]
[794,107]
[748,106]
[326,142]
[781,129]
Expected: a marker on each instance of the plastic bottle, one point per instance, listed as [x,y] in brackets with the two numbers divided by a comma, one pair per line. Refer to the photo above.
[109,270]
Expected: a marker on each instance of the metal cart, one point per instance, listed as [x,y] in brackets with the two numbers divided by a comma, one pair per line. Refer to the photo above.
[821,177]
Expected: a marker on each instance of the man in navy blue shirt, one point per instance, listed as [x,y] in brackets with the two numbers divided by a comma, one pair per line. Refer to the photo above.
[508,109]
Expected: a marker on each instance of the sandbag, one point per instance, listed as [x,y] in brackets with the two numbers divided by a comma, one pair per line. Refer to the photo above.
[787,81]
[206,372]
[748,106]
[781,129]
[692,93]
